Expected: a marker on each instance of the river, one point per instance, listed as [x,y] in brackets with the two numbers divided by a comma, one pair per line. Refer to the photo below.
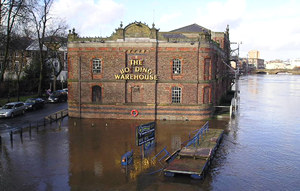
[259,151]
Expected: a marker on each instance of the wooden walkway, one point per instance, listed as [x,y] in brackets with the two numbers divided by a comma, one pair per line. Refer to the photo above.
[194,158]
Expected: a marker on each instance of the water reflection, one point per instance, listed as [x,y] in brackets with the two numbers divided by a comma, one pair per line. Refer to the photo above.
[96,147]
[260,149]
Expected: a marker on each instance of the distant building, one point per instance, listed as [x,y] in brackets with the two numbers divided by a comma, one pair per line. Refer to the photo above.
[254,60]
[57,55]
[17,58]
[275,64]
[295,63]
[141,73]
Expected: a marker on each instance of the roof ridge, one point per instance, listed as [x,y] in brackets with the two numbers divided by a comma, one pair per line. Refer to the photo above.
[191,28]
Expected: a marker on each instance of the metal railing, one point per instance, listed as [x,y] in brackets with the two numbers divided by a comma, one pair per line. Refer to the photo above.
[55,117]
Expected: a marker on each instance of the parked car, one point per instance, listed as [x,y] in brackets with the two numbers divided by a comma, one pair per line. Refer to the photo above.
[12,109]
[34,103]
[66,89]
[58,96]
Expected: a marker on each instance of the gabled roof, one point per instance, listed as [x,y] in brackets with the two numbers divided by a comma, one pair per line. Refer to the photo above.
[191,28]
[34,46]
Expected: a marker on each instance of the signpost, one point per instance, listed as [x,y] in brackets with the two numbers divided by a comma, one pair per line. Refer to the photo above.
[145,133]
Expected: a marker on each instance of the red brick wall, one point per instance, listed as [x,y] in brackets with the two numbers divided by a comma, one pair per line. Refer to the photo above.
[120,97]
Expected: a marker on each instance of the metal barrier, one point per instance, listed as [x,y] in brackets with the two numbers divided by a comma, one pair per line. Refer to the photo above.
[41,123]
[199,135]
[167,154]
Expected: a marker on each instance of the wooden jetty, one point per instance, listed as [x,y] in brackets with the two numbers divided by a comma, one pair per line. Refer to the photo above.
[195,157]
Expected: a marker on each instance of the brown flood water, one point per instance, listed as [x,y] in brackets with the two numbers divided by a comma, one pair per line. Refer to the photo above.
[259,151]
[86,155]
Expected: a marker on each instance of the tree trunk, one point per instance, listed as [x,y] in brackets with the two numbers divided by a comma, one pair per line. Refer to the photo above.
[54,82]
[18,87]
[41,77]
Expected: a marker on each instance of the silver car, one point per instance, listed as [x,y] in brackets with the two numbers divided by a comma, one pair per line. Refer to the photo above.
[12,109]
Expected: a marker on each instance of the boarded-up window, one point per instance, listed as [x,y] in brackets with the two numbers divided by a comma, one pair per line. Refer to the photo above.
[206,69]
[206,96]
[136,94]
[97,94]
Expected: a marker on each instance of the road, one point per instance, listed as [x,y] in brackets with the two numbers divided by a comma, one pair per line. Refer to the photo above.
[30,116]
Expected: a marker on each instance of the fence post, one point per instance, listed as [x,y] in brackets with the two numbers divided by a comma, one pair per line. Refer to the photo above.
[30,130]
[21,135]
[11,137]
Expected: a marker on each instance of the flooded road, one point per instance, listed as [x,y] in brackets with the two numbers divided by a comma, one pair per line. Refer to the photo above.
[260,149]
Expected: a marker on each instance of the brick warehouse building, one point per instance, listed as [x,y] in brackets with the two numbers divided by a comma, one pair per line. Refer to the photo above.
[141,73]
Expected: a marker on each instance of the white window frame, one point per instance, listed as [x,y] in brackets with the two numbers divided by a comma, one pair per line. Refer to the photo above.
[176,94]
[97,66]
[176,66]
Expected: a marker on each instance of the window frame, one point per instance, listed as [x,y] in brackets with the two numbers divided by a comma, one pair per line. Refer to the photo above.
[177,66]
[97,70]
[96,88]
[176,94]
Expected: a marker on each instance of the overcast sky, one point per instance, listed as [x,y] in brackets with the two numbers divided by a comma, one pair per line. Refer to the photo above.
[269,26]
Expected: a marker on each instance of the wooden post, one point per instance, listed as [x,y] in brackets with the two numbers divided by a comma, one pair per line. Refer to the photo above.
[61,114]
[55,117]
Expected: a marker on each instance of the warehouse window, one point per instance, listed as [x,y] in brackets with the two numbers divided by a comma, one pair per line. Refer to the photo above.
[176,95]
[97,94]
[97,66]
[176,66]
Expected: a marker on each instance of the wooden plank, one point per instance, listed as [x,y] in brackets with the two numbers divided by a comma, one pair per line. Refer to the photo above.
[194,159]
[186,166]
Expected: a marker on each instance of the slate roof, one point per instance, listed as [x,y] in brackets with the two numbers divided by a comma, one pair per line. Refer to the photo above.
[191,28]
[170,35]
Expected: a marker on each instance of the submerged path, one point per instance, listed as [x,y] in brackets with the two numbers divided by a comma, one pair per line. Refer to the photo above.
[194,159]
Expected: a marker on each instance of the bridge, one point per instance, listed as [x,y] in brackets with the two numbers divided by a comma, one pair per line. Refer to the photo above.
[276,71]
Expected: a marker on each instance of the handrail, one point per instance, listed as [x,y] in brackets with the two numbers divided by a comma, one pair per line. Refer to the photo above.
[195,139]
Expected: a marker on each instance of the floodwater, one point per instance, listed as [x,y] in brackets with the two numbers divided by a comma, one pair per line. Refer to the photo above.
[260,149]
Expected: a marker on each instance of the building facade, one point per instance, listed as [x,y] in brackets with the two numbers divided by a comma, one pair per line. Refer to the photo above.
[141,73]
[255,61]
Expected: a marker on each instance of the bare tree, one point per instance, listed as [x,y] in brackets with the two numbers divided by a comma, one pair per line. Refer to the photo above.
[10,12]
[56,44]
[41,19]
[56,61]
[18,58]
[39,16]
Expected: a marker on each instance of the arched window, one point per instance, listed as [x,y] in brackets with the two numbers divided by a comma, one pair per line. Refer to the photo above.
[176,66]
[176,95]
[97,94]
[97,66]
